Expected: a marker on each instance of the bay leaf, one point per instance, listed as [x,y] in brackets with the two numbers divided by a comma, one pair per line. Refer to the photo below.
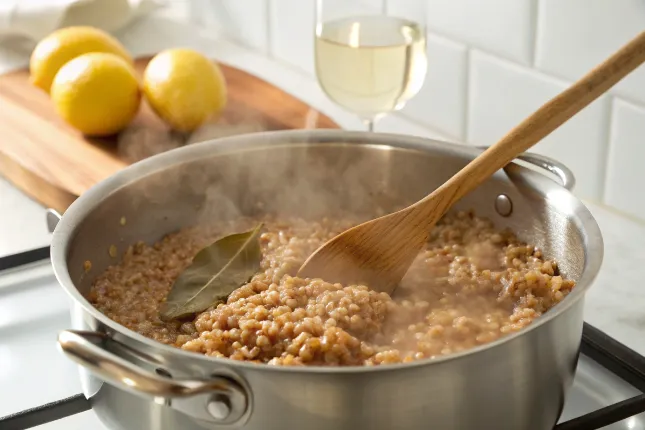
[215,272]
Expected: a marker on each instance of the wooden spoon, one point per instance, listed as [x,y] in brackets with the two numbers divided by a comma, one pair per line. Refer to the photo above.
[378,253]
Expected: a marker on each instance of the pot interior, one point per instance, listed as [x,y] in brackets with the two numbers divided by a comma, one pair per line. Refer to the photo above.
[314,180]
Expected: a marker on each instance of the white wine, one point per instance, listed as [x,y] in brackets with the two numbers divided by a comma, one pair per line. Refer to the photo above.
[371,65]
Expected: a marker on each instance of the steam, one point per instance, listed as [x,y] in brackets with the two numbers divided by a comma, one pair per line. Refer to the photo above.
[311,119]
[349,182]
[331,180]
[141,141]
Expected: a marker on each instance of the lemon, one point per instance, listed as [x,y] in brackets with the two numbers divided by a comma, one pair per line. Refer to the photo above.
[96,93]
[63,45]
[184,88]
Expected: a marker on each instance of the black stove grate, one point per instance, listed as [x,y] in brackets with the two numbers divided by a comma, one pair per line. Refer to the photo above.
[621,361]
[603,349]
[46,413]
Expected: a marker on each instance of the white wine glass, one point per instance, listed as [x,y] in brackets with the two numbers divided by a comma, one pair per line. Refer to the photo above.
[371,54]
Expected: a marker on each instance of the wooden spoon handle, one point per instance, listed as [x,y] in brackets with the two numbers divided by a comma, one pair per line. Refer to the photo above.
[542,122]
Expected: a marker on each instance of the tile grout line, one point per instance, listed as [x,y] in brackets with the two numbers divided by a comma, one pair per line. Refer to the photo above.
[269,27]
[629,100]
[535,14]
[606,153]
[530,67]
[474,45]
[468,88]
[616,211]
[569,81]
[425,126]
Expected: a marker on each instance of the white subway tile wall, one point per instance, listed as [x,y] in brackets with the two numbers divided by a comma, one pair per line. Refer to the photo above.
[504,27]
[491,63]
[575,35]
[502,94]
[441,103]
[244,22]
[625,169]
[292,32]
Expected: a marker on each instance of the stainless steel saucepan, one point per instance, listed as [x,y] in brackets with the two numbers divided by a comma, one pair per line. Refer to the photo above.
[517,382]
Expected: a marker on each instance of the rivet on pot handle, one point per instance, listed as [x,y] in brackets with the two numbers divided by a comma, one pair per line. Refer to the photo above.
[562,172]
[84,348]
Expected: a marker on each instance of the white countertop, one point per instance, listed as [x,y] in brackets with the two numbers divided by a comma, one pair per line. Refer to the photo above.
[616,301]
[614,304]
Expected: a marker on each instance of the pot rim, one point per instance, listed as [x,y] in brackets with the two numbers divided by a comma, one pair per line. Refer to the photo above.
[87,202]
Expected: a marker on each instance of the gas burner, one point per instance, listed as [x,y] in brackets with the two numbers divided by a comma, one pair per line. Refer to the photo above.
[601,359]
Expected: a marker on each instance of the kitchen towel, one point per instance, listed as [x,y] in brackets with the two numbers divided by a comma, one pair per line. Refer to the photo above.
[31,20]
[24,22]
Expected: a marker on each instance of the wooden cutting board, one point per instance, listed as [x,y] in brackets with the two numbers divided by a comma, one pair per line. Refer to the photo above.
[54,164]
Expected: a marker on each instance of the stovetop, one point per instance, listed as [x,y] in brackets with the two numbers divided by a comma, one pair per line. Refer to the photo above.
[40,387]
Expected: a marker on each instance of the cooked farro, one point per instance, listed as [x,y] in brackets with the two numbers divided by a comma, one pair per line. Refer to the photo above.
[471,285]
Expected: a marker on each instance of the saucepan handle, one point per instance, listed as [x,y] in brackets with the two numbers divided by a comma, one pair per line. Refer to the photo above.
[224,399]
[562,172]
